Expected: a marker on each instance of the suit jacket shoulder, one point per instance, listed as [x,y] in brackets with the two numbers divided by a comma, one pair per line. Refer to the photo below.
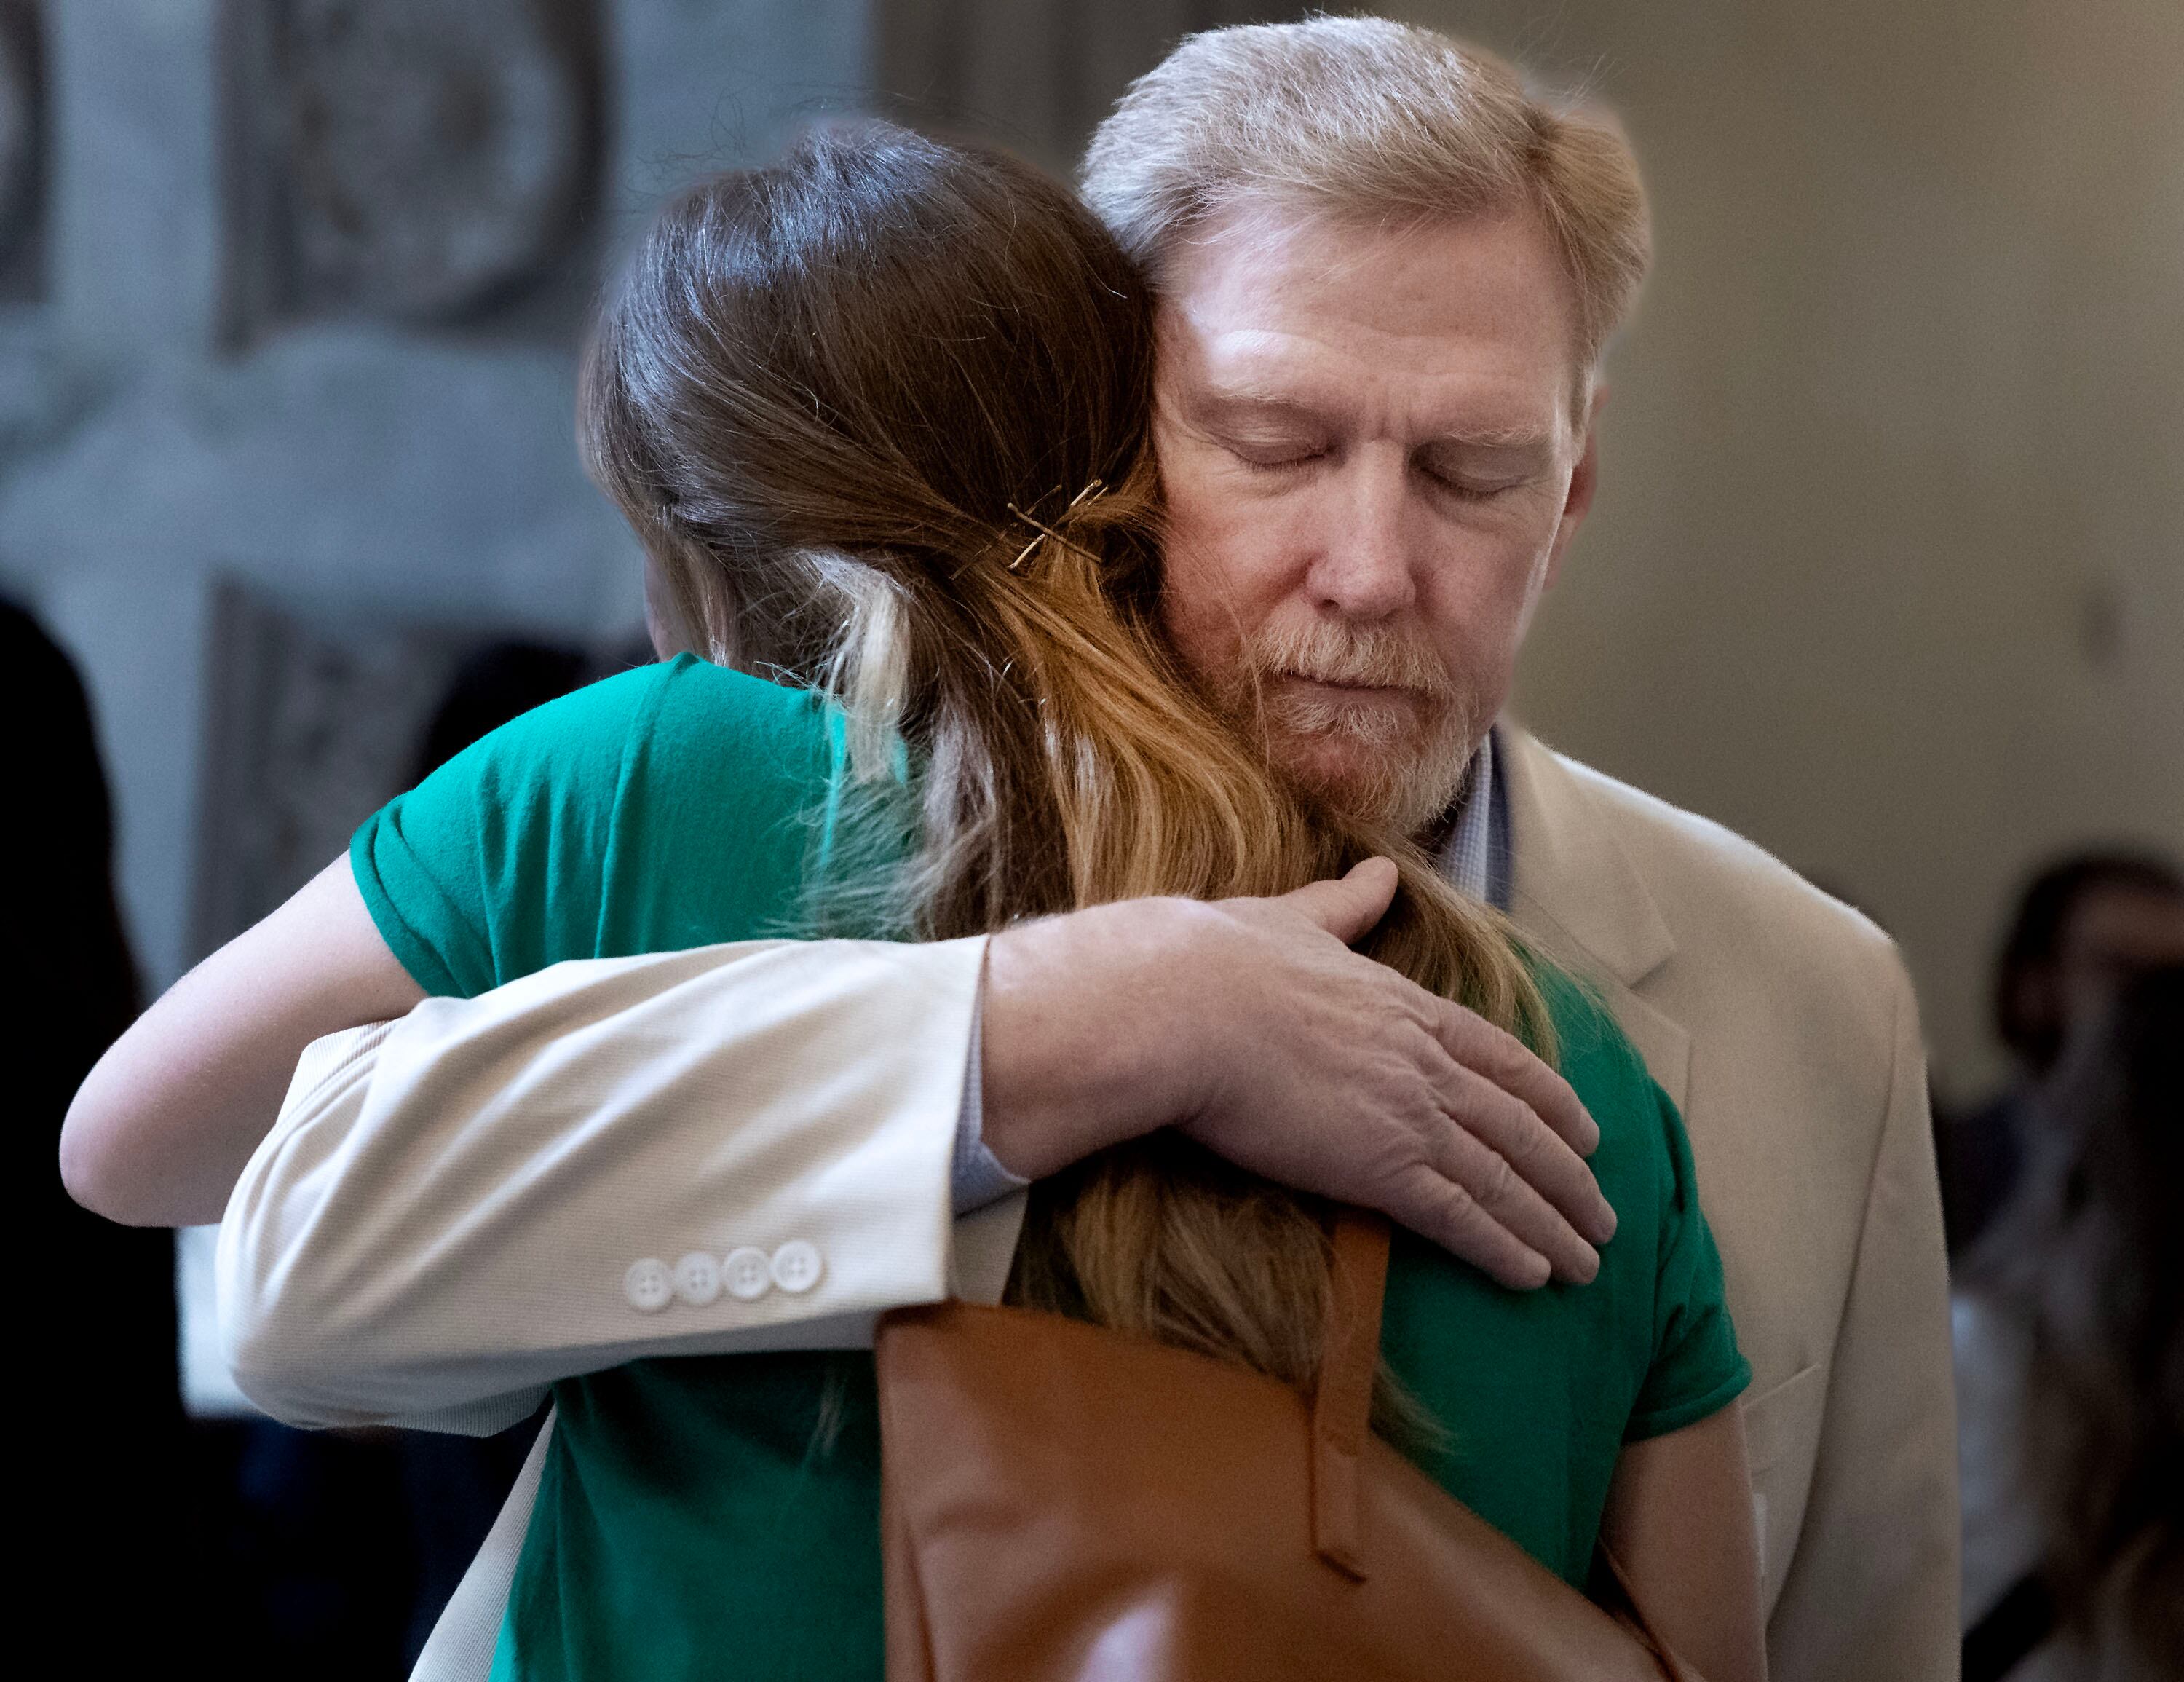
[1713,885]
[1709,933]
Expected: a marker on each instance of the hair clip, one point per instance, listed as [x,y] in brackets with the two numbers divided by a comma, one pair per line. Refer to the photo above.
[1097,487]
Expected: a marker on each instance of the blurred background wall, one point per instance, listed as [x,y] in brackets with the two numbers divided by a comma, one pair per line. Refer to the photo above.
[203,382]
[1888,567]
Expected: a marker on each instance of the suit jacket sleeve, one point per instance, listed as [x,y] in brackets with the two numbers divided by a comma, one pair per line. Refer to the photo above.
[445,1218]
[1871,1593]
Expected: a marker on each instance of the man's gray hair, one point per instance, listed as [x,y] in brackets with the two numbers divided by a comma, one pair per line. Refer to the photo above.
[1364,118]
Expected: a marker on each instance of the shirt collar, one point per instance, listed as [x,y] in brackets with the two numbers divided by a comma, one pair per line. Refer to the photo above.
[1475,857]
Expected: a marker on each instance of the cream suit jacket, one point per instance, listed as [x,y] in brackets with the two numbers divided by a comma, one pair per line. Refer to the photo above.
[577,1170]
[1780,1022]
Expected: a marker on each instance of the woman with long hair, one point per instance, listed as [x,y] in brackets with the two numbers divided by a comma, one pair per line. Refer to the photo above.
[879,414]
[2070,1352]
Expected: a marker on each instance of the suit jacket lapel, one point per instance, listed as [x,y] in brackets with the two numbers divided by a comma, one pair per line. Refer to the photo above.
[1574,889]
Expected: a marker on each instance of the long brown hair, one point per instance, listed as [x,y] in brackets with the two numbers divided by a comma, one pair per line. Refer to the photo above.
[879,414]
[2090,1259]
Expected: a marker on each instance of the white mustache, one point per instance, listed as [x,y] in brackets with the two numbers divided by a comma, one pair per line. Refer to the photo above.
[1408,763]
[1321,652]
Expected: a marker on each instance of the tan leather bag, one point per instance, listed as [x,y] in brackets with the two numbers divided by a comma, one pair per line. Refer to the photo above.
[1063,1503]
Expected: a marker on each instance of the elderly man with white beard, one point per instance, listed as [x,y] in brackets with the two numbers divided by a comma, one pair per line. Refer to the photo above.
[1375,425]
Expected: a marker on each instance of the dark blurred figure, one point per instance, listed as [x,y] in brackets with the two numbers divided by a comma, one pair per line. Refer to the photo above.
[496,682]
[102,1429]
[2071,1362]
[2085,926]
[306,1552]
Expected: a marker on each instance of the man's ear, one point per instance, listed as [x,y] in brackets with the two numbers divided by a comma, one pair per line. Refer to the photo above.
[1584,480]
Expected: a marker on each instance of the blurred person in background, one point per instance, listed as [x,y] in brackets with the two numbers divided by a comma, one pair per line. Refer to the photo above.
[2084,926]
[101,1399]
[2069,1332]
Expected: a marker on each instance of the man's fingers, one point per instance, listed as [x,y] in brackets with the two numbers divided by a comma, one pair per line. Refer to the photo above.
[1347,907]
[1446,1214]
[1503,1195]
[1529,1151]
[1511,1065]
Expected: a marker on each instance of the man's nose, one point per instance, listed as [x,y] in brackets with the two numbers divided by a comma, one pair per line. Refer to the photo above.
[1364,570]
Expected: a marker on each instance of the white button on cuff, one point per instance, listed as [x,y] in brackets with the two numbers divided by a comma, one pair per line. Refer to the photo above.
[648,1286]
[696,1279]
[746,1274]
[796,1267]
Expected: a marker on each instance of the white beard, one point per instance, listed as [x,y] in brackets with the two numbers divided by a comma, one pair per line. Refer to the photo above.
[1400,765]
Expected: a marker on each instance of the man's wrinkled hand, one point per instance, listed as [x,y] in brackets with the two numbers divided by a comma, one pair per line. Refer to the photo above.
[1251,1026]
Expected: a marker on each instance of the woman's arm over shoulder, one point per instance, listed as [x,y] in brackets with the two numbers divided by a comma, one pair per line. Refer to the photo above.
[165,1122]
[1679,1523]
[492,1194]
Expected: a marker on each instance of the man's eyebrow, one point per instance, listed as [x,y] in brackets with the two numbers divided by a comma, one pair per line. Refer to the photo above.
[1248,403]
[1238,403]
[1523,436]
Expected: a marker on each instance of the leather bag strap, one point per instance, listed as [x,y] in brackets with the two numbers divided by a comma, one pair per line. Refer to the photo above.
[1342,1405]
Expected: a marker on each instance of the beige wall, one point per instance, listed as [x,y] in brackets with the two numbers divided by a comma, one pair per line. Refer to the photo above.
[1888,567]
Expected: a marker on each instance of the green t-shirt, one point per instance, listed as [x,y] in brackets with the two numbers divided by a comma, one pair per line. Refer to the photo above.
[719,1516]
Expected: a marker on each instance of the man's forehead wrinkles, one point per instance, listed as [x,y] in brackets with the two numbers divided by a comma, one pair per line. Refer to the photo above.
[1406,331]
[1243,412]
[1243,391]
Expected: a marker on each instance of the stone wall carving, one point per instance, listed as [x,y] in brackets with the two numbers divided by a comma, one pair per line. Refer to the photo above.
[406,160]
[309,726]
[316,717]
[22,151]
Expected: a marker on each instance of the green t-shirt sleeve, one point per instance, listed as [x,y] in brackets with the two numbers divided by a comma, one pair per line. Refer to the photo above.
[493,867]
[1697,1369]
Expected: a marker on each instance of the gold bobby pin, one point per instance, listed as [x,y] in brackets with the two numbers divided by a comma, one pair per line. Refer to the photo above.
[1098,488]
